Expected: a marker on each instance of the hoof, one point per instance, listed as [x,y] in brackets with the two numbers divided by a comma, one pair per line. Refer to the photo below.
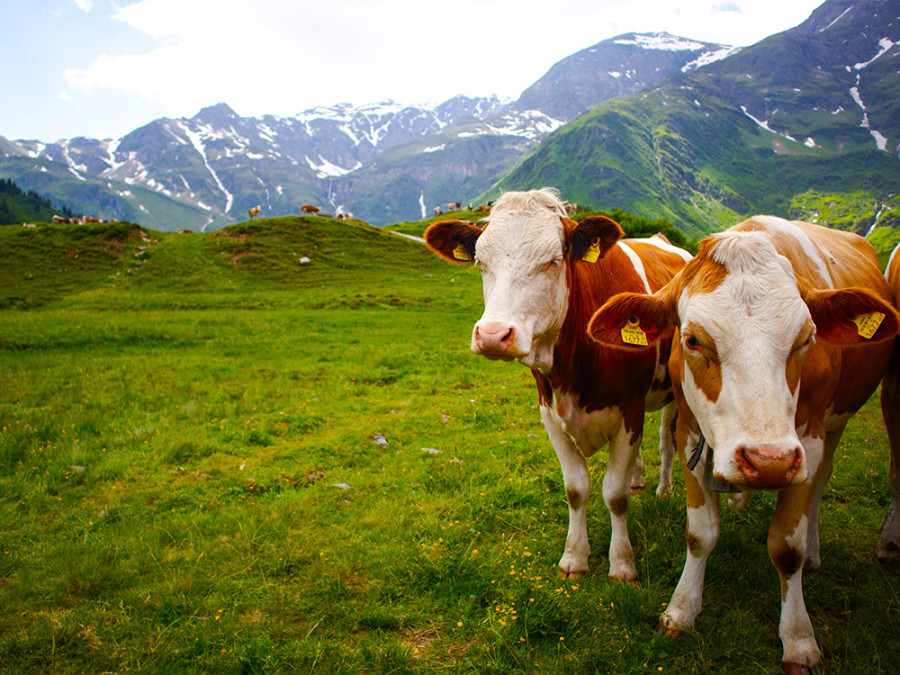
[663,628]
[801,669]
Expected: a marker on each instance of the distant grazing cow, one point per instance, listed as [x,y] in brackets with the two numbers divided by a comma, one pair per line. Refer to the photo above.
[309,209]
[783,331]
[253,211]
[888,547]
[344,215]
[436,211]
[90,219]
[571,208]
[454,206]
[543,276]
[484,208]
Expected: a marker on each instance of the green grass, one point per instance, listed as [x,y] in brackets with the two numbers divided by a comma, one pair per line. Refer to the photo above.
[189,482]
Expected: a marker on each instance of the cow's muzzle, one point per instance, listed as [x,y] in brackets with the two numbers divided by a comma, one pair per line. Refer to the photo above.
[769,467]
[495,341]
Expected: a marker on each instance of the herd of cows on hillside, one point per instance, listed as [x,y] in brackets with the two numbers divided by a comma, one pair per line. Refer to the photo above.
[758,350]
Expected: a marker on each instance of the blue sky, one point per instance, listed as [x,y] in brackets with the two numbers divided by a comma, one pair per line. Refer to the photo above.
[102,68]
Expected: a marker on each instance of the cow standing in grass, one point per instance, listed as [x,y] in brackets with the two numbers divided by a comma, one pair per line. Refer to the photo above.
[784,330]
[543,276]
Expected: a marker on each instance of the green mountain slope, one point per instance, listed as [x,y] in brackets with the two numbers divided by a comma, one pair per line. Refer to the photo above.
[24,206]
[759,132]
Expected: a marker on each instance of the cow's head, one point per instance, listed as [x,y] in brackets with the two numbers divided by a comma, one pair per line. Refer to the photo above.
[523,254]
[747,329]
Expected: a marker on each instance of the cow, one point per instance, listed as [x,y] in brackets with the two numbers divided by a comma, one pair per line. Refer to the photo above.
[453,206]
[309,209]
[253,211]
[888,547]
[778,343]
[436,211]
[543,276]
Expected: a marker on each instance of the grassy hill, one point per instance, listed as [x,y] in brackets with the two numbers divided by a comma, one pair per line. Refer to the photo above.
[217,458]
[19,206]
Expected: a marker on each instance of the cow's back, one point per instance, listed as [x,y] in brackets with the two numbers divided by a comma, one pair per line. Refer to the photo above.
[823,257]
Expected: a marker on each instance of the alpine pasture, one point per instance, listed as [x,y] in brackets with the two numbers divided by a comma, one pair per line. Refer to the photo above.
[217,458]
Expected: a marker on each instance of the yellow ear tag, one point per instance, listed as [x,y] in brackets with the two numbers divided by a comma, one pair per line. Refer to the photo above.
[593,253]
[632,333]
[867,324]
[461,253]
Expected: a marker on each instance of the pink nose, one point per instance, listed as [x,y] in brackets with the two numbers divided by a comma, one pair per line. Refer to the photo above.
[768,467]
[494,339]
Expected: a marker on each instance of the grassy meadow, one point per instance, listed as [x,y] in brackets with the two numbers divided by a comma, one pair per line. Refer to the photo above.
[216,458]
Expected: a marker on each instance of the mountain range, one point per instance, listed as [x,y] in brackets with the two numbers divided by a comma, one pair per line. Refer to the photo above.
[383,162]
[803,124]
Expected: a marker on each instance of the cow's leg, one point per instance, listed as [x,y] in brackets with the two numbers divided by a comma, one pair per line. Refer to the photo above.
[637,473]
[787,550]
[577,480]
[702,535]
[623,449]
[813,559]
[888,547]
[666,447]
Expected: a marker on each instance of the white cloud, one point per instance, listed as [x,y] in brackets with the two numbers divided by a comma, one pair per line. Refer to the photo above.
[278,57]
[84,5]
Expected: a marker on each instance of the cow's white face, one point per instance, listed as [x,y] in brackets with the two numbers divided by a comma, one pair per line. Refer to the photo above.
[743,341]
[522,262]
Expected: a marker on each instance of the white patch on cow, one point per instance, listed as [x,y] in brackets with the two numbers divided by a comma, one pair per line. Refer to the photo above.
[809,248]
[636,263]
[664,245]
[589,430]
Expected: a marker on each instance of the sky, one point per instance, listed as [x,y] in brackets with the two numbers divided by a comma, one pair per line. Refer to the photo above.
[102,68]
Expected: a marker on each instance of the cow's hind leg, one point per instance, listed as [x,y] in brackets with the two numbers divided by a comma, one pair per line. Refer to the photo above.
[813,558]
[577,480]
[888,547]
[666,447]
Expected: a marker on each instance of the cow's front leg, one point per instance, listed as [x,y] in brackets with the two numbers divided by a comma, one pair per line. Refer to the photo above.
[577,480]
[702,535]
[787,550]
[666,447]
[623,450]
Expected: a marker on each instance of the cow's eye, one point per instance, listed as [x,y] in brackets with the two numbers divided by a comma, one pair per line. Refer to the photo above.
[692,342]
[552,265]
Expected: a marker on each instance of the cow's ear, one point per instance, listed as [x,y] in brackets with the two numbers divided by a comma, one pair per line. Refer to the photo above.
[594,234]
[453,240]
[633,320]
[850,315]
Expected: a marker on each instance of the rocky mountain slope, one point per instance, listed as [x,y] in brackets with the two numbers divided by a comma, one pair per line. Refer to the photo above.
[383,162]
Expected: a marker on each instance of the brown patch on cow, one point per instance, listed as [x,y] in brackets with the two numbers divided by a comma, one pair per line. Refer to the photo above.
[619,506]
[694,544]
[705,365]
[695,495]
[573,497]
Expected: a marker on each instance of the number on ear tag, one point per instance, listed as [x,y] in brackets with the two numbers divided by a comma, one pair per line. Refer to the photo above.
[867,324]
[632,333]
[461,253]
[593,253]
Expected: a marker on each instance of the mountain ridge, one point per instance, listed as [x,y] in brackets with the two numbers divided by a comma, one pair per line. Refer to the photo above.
[383,161]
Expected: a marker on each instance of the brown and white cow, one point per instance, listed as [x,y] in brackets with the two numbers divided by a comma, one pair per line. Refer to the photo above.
[768,365]
[543,276]
[888,547]
[309,209]
[253,211]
